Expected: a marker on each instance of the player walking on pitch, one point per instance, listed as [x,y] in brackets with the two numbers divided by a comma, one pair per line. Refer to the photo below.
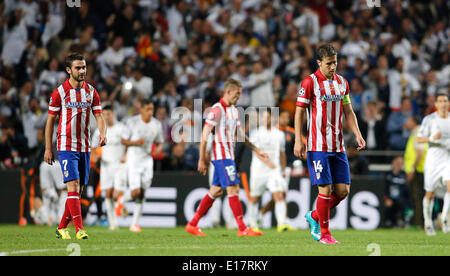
[73,101]
[140,133]
[323,98]
[268,175]
[223,121]
[112,167]
[435,130]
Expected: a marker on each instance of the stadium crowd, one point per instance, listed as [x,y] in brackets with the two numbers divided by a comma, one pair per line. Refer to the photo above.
[395,58]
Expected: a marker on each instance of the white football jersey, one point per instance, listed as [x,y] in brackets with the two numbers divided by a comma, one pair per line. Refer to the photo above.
[113,151]
[137,129]
[432,124]
[271,142]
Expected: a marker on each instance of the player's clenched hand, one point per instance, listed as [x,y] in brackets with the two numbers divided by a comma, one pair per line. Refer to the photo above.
[202,167]
[361,143]
[437,136]
[48,157]
[140,142]
[300,150]
[270,165]
[102,140]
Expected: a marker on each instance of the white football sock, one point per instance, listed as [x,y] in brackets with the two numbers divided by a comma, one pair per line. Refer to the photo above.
[110,212]
[446,207]
[428,211]
[137,212]
[126,197]
[253,214]
[280,212]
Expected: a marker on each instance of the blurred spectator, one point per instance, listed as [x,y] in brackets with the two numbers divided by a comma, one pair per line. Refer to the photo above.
[50,77]
[355,48]
[13,147]
[15,37]
[401,84]
[398,133]
[260,86]
[307,23]
[33,120]
[372,127]
[142,84]
[113,56]
[396,198]
[54,21]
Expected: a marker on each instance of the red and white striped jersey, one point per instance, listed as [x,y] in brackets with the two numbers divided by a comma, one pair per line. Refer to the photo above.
[73,107]
[225,120]
[324,102]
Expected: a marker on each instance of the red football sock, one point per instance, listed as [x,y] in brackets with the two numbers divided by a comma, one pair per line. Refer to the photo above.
[334,201]
[323,210]
[66,218]
[236,207]
[73,201]
[205,204]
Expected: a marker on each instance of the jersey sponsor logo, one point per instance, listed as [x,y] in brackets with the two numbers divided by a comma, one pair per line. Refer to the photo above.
[331,98]
[51,101]
[78,104]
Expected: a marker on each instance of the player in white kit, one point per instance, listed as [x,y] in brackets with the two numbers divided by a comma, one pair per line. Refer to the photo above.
[435,130]
[52,188]
[268,175]
[112,168]
[141,132]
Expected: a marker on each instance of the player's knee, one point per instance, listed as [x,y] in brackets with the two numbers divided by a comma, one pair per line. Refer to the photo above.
[216,193]
[342,194]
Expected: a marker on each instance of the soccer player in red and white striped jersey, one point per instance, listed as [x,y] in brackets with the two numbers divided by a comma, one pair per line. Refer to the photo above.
[323,98]
[73,101]
[223,121]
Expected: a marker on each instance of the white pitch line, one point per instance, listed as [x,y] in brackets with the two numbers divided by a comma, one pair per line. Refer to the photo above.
[5,253]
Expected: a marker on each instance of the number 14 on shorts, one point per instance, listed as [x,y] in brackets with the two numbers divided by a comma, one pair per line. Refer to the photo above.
[317,168]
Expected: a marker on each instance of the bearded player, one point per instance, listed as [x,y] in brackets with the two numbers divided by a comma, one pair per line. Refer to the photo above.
[73,101]
[323,98]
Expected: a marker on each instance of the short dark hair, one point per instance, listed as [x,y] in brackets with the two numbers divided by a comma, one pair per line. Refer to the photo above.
[108,107]
[145,101]
[445,94]
[326,50]
[71,57]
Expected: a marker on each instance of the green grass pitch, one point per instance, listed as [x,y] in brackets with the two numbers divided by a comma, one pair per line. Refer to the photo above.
[40,240]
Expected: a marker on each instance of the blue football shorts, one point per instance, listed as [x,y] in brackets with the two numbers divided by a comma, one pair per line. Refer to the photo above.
[328,167]
[75,165]
[225,173]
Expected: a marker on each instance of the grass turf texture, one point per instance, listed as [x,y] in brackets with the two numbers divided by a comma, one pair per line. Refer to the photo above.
[40,240]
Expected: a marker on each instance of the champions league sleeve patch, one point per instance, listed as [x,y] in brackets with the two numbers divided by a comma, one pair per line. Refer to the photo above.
[301,92]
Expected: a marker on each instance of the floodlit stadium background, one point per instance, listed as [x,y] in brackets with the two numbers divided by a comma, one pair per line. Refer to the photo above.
[175,52]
